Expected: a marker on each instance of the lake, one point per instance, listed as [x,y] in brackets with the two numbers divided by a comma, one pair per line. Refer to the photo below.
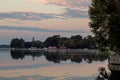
[43,65]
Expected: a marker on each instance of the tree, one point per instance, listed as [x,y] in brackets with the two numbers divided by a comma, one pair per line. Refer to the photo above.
[62,41]
[17,43]
[28,44]
[52,41]
[21,43]
[89,42]
[38,44]
[72,44]
[105,23]
[114,24]
[14,43]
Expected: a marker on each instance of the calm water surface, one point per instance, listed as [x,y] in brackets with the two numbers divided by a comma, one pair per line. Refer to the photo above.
[41,65]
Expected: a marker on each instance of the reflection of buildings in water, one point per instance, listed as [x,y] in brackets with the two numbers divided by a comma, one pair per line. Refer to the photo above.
[58,57]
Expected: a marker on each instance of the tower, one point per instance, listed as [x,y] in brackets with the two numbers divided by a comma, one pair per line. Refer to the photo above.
[33,41]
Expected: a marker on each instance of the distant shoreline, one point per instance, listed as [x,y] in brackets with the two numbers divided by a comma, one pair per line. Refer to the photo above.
[55,50]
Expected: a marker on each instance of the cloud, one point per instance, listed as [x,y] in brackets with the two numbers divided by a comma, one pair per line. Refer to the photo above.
[25,16]
[39,29]
[73,9]
[67,3]
[74,13]
[69,13]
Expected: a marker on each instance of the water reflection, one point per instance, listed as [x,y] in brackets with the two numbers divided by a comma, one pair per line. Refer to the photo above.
[114,67]
[104,75]
[20,54]
[58,57]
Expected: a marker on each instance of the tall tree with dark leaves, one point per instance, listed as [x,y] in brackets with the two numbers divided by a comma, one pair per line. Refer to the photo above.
[105,23]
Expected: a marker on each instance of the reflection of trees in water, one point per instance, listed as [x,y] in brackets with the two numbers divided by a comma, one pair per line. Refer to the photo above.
[53,57]
[17,54]
[20,54]
[57,57]
[75,57]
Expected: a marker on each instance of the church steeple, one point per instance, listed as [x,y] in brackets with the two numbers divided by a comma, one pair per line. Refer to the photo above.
[33,39]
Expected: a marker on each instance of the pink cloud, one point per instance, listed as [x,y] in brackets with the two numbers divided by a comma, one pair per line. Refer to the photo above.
[67,3]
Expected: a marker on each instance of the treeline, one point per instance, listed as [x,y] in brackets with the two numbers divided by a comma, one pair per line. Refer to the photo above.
[21,43]
[74,42]
[4,46]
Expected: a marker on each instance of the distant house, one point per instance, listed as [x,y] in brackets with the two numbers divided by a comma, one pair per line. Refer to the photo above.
[52,49]
[63,49]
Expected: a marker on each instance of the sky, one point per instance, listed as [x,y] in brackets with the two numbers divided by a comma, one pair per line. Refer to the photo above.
[43,18]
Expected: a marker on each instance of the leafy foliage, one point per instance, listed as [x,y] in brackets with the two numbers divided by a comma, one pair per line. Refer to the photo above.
[105,23]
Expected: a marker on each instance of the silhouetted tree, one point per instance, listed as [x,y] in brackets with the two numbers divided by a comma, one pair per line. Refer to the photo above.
[52,41]
[17,43]
[105,23]
[28,44]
